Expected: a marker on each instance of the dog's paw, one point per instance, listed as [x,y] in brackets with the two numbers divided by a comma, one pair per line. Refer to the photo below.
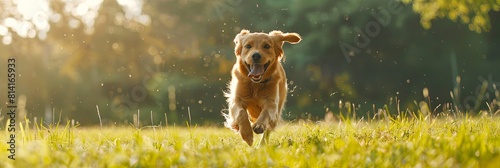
[259,128]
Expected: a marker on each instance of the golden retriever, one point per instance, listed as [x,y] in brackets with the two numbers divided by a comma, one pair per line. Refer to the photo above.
[258,87]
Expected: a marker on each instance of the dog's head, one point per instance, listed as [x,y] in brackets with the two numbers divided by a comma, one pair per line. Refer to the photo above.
[258,52]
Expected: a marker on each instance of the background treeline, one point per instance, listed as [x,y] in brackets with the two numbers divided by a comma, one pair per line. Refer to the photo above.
[172,59]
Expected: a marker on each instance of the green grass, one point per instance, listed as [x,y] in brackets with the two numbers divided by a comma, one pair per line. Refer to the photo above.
[420,142]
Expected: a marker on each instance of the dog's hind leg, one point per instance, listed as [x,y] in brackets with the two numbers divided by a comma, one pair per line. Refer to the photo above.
[265,138]
[267,132]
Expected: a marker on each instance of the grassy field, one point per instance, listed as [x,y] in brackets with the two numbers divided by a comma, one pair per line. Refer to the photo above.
[423,142]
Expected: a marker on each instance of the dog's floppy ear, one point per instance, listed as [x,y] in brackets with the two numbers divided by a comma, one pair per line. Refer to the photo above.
[237,41]
[279,38]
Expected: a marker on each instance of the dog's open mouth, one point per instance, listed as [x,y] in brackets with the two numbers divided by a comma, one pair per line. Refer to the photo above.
[257,71]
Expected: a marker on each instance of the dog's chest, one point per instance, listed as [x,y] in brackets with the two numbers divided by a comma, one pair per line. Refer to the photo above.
[257,91]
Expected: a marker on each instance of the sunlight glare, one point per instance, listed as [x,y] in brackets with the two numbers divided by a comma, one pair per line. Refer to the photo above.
[86,11]
[7,39]
[3,30]
[29,8]
[133,11]
[27,19]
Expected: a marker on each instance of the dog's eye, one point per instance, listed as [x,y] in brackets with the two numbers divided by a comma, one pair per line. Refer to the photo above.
[267,46]
[248,46]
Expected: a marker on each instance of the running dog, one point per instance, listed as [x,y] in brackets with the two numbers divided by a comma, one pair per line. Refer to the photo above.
[258,87]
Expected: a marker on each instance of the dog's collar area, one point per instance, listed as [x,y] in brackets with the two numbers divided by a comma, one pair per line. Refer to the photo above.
[266,80]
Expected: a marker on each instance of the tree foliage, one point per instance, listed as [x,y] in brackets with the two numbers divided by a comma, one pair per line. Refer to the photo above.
[475,14]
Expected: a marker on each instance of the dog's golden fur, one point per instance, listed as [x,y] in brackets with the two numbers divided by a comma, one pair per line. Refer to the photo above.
[258,87]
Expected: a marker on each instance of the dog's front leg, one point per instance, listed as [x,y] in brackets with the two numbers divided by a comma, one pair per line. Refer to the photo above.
[268,114]
[262,125]
[240,116]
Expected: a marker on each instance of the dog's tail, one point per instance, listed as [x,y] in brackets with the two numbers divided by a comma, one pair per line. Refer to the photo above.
[229,123]
[229,119]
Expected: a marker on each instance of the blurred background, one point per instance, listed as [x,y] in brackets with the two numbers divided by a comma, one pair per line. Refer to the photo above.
[170,60]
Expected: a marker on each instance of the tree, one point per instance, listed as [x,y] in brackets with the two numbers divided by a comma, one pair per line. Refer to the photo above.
[472,13]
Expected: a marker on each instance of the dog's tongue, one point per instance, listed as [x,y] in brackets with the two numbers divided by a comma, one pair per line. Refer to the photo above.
[256,71]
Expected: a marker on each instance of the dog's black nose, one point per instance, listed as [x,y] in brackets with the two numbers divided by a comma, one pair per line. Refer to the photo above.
[256,57]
